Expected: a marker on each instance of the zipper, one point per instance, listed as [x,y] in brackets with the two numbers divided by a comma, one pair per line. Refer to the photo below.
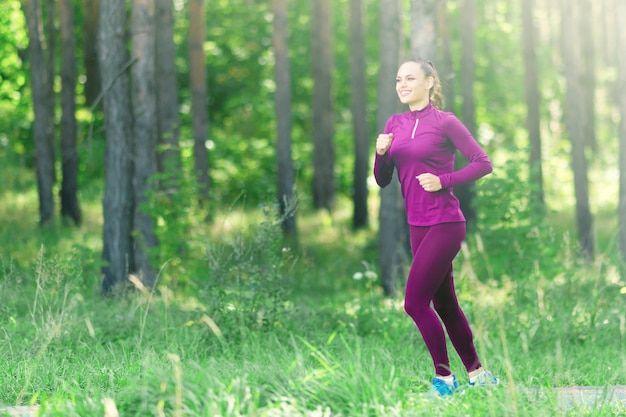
[415,128]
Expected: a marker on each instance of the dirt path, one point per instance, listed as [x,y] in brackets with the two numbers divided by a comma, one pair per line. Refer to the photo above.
[590,396]
[21,411]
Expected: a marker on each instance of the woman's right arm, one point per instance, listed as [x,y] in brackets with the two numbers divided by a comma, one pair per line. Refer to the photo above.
[383,169]
[383,165]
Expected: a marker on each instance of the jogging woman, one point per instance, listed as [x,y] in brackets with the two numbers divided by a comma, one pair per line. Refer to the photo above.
[421,145]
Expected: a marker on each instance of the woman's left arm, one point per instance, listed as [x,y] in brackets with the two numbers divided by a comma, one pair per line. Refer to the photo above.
[479,164]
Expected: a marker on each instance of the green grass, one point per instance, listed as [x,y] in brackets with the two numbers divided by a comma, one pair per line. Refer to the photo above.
[239,327]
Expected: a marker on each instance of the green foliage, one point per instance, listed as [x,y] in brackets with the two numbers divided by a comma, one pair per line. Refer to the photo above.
[241,142]
[500,103]
[248,281]
[241,92]
[14,94]
[175,211]
[241,102]
[503,198]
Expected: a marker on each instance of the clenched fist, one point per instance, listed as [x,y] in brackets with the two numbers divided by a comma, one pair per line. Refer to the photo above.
[383,143]
[429,182]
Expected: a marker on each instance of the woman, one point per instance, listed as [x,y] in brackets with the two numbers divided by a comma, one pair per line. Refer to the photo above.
[421,145]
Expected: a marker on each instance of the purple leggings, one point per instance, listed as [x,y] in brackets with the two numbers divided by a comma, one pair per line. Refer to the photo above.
[430,279]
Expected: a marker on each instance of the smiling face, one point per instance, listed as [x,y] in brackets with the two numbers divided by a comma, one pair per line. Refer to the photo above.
[413,86]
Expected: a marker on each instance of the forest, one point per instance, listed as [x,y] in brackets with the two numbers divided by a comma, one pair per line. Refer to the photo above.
[190,224]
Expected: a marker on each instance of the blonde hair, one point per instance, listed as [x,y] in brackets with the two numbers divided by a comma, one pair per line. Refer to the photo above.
[435,94]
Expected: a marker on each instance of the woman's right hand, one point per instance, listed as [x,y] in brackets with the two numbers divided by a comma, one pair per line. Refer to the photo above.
[383,143]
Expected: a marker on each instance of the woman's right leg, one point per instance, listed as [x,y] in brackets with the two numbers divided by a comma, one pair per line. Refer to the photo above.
[434,249]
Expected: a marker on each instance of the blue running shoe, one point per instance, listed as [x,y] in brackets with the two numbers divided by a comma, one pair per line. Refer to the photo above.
[484,378]
[444,388]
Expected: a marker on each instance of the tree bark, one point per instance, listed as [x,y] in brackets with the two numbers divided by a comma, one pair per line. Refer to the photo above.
[168,152]
[323,118]
[391,233]
[118,202]
[145,129]
[423,35]
[90,52]
[467,192]
[446,69]
[587,76]
[42,108]
[574,109]
[423,30]
[608,48]
[282,75]
[70,208]
[199,101]
[50,38]
[620,29]
[531,88]
[358,101]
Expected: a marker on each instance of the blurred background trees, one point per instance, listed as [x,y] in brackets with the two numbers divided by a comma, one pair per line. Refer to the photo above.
[204,104]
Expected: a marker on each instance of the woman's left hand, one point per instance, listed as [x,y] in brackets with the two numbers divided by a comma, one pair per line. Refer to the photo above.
[429,182]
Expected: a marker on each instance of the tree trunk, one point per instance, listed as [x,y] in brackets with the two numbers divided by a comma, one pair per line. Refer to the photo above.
[620,29]
[467,192]
[423,31]
[323,119]
[145,129]
[42,108]
[282,75]
[574,109]
[608,48]
[531,88]
[552,15]
[51,68]
[199,104]
[70,208]
[117,203]
[446,69]
[587,78]
[392,225]
[423,35]
[93,82]
[358,97]
[168,120]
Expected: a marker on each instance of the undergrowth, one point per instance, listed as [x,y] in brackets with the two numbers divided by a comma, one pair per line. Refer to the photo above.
[275,331]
